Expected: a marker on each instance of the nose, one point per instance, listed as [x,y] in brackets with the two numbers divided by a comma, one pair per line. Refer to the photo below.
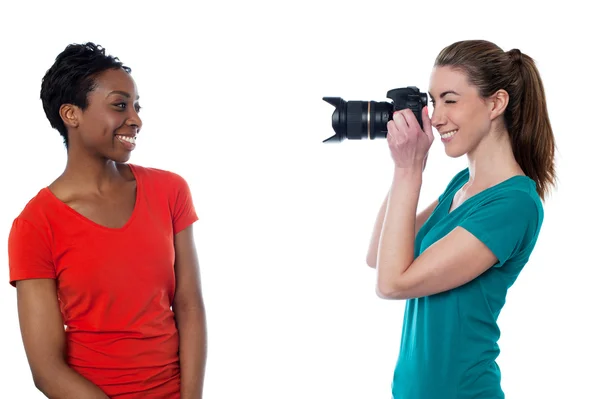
[134,120]
[437,119]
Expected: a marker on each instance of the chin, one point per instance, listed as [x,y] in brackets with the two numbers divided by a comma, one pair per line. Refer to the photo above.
[453,153]
[119,158]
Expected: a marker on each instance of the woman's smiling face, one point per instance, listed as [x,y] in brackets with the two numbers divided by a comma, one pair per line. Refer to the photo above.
[109,125]
[460,114]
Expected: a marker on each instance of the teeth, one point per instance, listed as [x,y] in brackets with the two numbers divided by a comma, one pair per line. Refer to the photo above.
[127,138]
[449,134]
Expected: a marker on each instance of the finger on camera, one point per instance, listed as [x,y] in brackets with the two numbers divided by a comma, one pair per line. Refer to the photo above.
[426,120]
[392,126]
[400,118]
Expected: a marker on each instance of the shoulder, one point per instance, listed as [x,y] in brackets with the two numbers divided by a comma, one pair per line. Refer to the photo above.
[514,204]
[36,209]
[517,193]
[157,175]
[32,224]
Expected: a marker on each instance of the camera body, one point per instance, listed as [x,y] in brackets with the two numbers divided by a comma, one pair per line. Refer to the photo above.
[360,120]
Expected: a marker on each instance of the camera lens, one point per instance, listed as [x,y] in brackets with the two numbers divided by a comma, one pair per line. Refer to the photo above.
[358,120]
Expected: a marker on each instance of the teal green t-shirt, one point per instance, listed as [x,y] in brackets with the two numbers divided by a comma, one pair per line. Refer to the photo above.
[449,341]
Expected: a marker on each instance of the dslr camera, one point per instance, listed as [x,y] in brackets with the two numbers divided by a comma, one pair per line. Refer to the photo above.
[359,120]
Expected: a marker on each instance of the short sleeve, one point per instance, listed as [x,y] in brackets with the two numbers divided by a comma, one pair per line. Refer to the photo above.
[506,224]
[183,212]
[29,253]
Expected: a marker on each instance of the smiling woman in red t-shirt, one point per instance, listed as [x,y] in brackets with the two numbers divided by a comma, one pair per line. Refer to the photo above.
[103,259]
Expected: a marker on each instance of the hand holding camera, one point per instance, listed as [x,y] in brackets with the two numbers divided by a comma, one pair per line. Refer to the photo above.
[409,144]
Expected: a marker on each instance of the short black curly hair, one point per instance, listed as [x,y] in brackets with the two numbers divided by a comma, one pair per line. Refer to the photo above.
[71,78]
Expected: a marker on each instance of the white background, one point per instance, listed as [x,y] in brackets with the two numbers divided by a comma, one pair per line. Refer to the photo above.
[231,95]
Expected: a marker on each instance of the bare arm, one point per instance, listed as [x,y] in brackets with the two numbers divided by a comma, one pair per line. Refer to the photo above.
[421,218]
[188,307]
[43,336]
[454,260]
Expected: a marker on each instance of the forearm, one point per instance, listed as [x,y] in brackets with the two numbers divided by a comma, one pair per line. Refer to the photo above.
[376,234]
[191,323]
[396,248]
[62,382]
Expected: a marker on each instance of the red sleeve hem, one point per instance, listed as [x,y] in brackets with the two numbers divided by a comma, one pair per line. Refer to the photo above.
[13,279]
[184,223]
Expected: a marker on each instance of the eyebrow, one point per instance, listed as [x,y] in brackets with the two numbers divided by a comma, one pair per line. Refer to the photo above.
[444,93]
[123,93]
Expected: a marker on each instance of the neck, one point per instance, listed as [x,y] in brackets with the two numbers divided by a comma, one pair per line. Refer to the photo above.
[89,173]
[492,161]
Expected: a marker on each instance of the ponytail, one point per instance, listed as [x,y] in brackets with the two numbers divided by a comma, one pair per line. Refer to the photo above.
[528,123]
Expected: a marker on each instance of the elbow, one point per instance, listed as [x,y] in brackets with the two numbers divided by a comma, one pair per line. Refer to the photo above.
[390,290]
[41,382]
[40,386]
[188,302]
[189,306]
[44,377]
[38,378]
[372,258]
[190,314]
[384,291]
[371,262]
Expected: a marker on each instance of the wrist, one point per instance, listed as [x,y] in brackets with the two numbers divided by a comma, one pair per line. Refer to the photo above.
[413,173]
[406,183]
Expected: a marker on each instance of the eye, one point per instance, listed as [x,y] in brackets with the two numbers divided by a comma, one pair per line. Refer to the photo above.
[123,106]
[447,102]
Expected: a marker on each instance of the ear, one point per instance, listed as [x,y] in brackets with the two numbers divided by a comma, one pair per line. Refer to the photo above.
[70,115]
[497,103]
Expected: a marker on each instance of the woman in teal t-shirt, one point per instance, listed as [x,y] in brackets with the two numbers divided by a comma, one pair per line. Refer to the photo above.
[454,261]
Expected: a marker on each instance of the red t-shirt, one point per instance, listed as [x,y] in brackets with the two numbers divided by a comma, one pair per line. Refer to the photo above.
[115,286]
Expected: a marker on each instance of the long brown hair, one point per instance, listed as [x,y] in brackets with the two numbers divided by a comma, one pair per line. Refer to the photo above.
[489,68]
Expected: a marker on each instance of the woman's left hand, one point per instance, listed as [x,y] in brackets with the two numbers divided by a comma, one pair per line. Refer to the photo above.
[409,144]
